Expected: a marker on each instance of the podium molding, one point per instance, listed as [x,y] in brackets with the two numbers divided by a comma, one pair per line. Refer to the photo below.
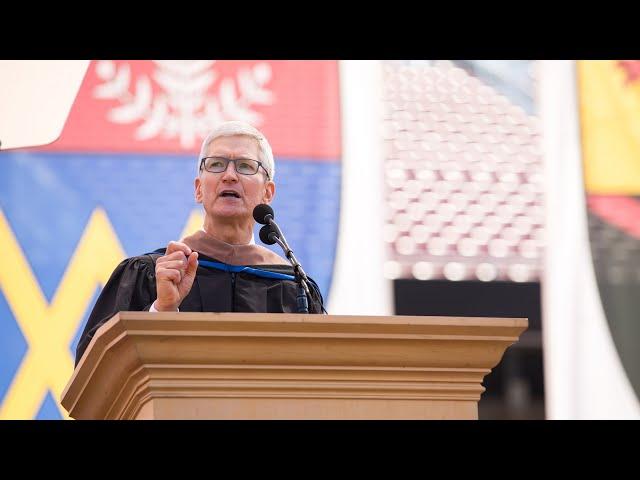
[142,365]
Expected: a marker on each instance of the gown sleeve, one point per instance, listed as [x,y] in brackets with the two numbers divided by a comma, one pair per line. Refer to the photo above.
[131,287]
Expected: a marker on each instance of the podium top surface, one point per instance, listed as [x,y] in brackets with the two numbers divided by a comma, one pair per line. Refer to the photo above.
[298,318]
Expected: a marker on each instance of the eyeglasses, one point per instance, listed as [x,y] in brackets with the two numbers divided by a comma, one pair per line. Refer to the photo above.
[244,166]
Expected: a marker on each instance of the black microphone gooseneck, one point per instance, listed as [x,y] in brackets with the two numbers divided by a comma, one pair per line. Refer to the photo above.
[271,234]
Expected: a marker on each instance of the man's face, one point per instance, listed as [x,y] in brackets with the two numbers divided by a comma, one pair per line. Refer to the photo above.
[230,194]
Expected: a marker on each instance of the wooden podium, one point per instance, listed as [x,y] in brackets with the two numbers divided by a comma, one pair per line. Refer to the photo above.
[143,365]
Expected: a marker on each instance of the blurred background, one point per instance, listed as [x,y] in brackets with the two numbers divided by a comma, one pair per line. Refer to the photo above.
[460,158]
[464,219]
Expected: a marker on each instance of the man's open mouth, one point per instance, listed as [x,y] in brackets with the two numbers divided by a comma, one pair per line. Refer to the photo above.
[230,193]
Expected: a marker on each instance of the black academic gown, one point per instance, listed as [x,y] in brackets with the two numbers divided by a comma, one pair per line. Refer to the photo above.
[132,287]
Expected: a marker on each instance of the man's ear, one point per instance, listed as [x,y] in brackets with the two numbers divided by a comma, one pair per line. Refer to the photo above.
[269,192]
[198,190]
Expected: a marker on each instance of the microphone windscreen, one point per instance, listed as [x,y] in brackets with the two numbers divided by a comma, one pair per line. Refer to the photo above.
[261,211]
[264,235]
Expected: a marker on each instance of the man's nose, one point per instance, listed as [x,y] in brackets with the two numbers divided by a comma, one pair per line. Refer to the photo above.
[230,173]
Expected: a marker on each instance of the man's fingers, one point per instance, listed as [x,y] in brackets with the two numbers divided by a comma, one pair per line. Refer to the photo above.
[179,255]
[178,247]
[169,274]
[192,264]
[175,264]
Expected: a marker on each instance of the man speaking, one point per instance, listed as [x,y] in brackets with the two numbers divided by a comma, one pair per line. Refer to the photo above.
[219,268]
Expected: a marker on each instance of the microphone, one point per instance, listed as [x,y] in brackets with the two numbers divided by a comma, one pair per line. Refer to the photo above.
[267,235]
[270,234]
[263,213]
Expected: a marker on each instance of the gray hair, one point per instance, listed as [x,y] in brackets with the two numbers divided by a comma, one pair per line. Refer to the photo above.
[230,129]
